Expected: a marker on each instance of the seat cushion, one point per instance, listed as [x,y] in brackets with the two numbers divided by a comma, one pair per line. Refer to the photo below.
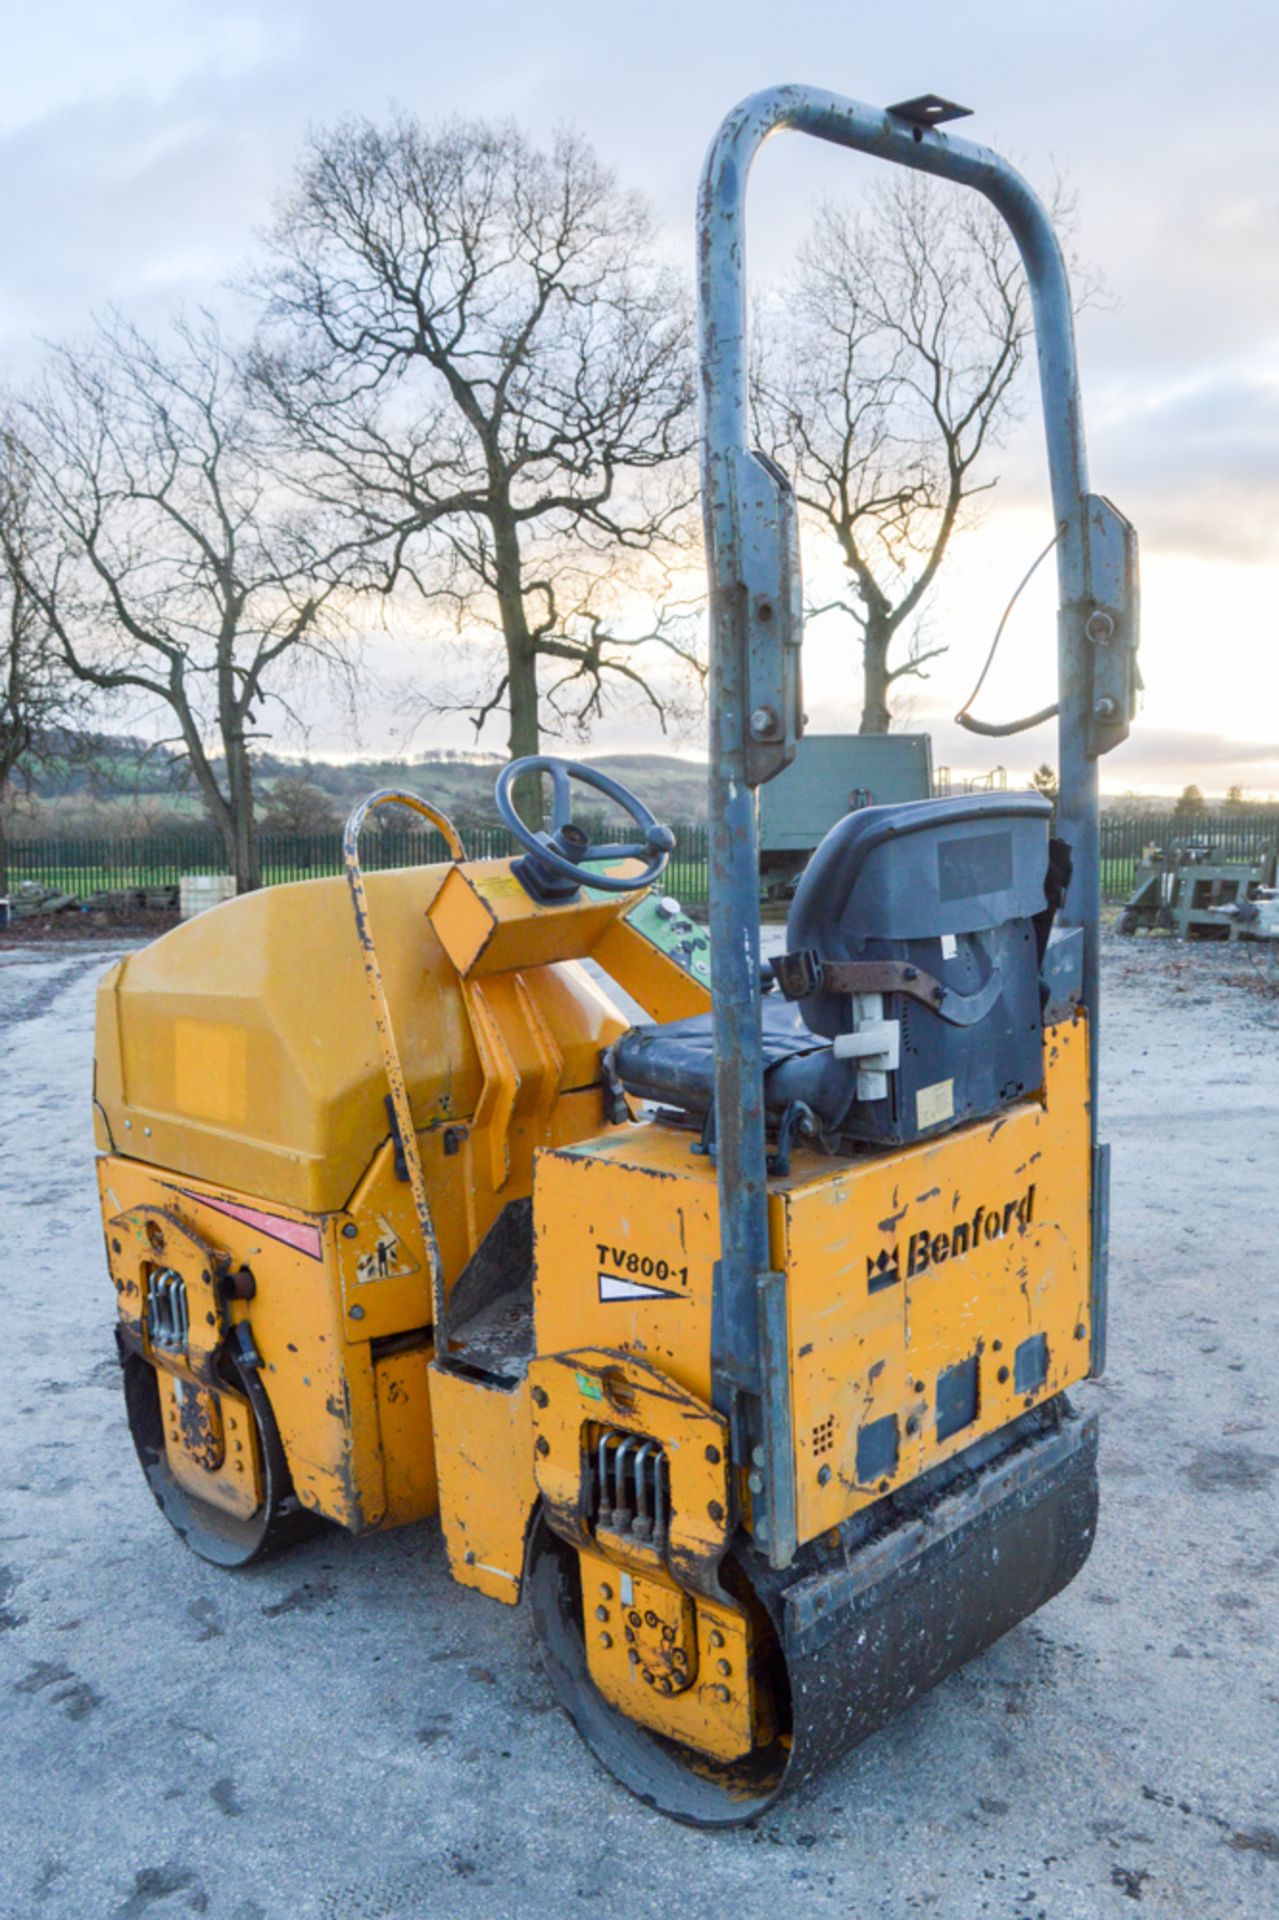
[675,1064]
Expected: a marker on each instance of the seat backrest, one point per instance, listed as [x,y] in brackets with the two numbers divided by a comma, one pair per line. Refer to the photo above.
[918,871]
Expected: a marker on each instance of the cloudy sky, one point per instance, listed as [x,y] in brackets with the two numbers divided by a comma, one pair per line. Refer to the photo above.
[142,143]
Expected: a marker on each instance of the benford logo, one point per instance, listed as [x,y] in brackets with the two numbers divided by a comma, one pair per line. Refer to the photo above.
[882,1272]
[926,1249]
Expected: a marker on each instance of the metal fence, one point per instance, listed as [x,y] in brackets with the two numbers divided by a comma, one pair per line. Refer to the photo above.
[1236,836]
[87,865]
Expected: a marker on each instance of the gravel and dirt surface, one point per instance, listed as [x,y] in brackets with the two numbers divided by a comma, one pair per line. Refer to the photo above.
[343,1734]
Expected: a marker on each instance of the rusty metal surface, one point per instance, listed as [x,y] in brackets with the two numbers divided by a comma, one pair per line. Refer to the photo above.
[408,1142]
[576,1396]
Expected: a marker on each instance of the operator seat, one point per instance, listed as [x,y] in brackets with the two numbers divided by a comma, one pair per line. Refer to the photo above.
[910,992]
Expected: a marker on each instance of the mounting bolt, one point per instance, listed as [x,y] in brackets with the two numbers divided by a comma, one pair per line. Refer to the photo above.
[724,1667]
[606,1639]
[823,1474]
[350,1230]
[1105,708]
[1100,627]
[755,1481]
[721,1693]
[715,1637]
[541,1397]
[543,1445]
[601,1613]
[763,721]
[606,1592]
[357,1312]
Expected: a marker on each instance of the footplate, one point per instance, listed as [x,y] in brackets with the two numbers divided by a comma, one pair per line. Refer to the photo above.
[917,1601]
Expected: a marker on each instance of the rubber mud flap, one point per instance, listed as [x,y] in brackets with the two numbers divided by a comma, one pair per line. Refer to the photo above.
[910,1606]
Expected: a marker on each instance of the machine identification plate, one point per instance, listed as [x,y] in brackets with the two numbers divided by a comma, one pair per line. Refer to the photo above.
[935,1104]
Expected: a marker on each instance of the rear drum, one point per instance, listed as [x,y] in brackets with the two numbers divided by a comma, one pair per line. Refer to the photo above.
[224,1539]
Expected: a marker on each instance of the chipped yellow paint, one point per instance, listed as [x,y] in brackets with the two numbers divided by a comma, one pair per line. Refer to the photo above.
[987,1230]
[640,1206]
[579,1394]
[403,1389]
[386,1283]
[679,1665]
[321,1390]
[637,1207]
[281,969]
[484,1458]
[227,1476]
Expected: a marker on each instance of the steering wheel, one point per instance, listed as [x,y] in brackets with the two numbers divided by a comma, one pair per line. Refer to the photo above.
[555,857]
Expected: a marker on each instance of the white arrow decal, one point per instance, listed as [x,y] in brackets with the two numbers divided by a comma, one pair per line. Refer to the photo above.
[613,1287]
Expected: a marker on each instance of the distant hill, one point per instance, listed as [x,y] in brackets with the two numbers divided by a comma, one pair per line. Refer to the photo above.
[673,788]
[118,783]
[109,781]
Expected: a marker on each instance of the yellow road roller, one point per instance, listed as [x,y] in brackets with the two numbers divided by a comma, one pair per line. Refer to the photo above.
[737,1341]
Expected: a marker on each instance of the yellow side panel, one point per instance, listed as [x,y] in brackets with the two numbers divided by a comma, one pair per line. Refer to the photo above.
[408,1449]
[920,1281]
[994,1218]
[484,1459]
[289,1104]
[211,1070]
[321,1389]
[626,1237]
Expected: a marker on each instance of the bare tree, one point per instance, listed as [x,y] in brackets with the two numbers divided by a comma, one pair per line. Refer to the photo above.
[183,568]
[889,375]
[39,699]
[476,344]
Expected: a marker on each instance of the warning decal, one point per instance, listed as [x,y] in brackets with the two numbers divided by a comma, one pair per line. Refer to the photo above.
[387,1260]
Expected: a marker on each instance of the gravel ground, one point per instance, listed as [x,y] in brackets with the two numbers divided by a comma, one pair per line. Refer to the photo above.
[344,1733]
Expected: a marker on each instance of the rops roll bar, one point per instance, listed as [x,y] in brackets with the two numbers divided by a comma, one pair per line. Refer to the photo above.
[756,633]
